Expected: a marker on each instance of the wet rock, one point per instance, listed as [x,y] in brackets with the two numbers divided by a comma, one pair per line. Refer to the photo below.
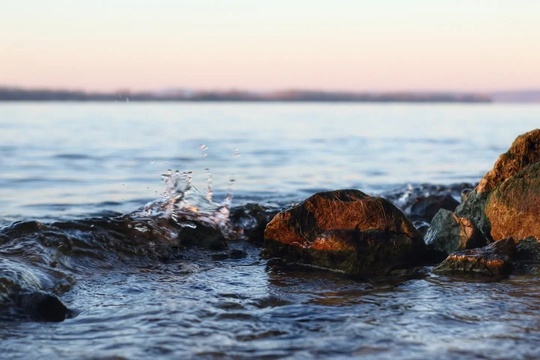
[527,256]
[523,153]
[465,194]
[203,236]
[421,226]
[448,233]
[249,221]
[42,306]
[406,198]
[493,260]
[345,231]
[528,250]
[513,207]
[426,207]
[473,209]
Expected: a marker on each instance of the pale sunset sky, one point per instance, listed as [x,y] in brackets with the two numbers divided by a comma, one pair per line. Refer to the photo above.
[351,45]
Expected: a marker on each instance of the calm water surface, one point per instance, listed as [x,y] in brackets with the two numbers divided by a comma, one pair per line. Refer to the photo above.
[73,161]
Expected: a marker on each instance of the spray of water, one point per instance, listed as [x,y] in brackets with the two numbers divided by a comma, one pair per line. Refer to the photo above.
[185,206]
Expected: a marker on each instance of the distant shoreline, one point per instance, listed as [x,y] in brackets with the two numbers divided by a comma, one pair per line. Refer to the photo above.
[13,94]
[16,94]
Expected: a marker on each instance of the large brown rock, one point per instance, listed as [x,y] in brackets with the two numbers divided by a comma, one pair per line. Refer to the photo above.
[345,231]
[524,151]
[513,207]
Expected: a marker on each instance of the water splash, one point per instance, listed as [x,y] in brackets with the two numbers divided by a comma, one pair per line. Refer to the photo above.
[185,206]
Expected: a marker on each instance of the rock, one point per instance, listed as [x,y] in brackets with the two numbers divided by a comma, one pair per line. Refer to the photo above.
[513,207]
[345,231]
[448,233]
[249,221]
[465,194]
[528,250]
[473,209]
[493,260]
[42,306]
[524,152]
[527,257]
[405,198]
[426,207]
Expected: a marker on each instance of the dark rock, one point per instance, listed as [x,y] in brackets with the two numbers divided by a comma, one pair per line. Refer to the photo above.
[465,194]
[345,231]
[528,250]
[406,198]
[203,236]
[42,306]
[449,233]
[493,260]
[249,221]
[426,207]
[527,257]
[421,226]
[473,209]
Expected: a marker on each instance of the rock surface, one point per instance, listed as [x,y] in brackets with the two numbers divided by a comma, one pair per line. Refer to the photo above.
[513,207]
[493,260]
[527,257]
[249,221]
[504,203]
[345,231]
[449,233]
[42,306]
[524,151]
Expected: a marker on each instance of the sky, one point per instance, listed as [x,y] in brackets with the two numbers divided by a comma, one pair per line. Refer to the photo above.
[346,45]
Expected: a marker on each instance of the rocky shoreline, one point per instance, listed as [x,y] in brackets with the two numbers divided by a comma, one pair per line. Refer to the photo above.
[489,230]
[494,231]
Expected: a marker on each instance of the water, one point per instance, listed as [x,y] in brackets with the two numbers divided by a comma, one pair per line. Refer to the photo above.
[68,163]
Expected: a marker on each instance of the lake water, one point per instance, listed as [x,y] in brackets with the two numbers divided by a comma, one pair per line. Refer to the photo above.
[71,161]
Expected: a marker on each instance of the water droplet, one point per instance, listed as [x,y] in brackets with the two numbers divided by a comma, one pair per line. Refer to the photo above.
[204,150]
[209,191]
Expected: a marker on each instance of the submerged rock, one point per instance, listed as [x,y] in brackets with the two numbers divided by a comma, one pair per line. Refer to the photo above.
[42,306]
[345,231]
[449,233]
[493,260]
